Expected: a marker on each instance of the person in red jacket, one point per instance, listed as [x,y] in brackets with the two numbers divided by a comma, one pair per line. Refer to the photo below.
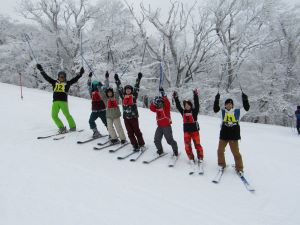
[162,107]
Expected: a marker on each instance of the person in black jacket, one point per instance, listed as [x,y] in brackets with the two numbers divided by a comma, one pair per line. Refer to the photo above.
[129,97]
[297,114]
[230,131]
[190,125]
[60,97]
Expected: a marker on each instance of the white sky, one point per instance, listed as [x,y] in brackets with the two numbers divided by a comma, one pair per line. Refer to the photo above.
[8,6]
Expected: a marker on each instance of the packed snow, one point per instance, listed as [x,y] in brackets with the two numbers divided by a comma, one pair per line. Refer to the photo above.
[60,182]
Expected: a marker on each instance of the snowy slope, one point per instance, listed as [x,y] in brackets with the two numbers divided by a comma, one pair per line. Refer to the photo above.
[46,182]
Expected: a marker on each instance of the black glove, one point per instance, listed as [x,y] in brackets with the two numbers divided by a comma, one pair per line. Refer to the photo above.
[90,74]
[106,75]
[140,75]
[117,77]
[175,94]
[39,67]
[162,91]
[81,71]
[195,91]
[244,96]
[246,104]
[217,97]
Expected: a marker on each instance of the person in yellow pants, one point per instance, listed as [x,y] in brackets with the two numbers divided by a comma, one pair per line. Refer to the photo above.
[60,97]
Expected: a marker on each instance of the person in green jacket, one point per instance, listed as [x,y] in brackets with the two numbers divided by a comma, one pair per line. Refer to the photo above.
[60,97]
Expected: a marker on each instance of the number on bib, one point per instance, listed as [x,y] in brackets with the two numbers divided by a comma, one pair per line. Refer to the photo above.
[59,87]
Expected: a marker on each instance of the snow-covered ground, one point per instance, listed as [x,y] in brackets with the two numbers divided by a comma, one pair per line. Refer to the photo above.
[46,182]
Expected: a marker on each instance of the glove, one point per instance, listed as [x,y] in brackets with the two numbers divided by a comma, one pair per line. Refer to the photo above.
[90,74]
[244,96]
[175,94]
[217,96]
[117,77]
[106,75]
[195,91]
[81,71]
[39,67]
[162,91]
[140,75]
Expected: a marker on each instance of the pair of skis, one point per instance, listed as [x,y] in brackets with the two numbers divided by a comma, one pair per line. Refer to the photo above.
[137,154]
[91,139]
[59,136]
[106,145]
[197,167]
[220,173]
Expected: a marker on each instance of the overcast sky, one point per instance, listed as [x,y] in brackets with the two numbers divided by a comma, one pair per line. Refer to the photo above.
[7,7]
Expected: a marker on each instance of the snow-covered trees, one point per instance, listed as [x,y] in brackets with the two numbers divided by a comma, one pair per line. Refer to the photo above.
[216,45]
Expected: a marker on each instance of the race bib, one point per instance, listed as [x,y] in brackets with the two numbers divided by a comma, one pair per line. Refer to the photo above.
[112,103]
[229,118]
[188,118]
[96,96]
[128,100]
[59,87]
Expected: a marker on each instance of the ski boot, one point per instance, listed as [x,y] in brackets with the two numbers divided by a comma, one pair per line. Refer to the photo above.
[62,130]
[73,129]
[96,133]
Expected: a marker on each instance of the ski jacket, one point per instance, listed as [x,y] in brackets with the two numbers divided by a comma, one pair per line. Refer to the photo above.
[163,115]
[98,96]
[230,128]
[60,89]
[190,118]
[112,107]
[129,102]
[297,113]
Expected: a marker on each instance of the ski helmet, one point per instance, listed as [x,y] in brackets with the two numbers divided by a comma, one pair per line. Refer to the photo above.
[158,101]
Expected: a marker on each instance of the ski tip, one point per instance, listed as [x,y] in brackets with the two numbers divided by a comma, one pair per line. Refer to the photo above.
[145,162]
[191,173]
[111,151]
[120,158]
[215,181]
[95,148]
[132,160]
[171,166]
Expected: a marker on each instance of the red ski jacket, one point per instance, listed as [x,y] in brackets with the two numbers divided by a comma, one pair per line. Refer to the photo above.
[163,115]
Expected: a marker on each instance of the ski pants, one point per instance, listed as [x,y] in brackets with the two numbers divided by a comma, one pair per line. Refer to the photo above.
[63,106]
[94,116]
[134,133]
[195,136]
[234,146]
[111,125]
[167,132]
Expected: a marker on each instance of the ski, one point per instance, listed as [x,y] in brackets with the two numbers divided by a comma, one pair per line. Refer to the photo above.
[218,177]
[244,180]
[118,148]
[62,137]
[173,161]
[105,146]
[103,143]
[246,183]
[155,158]
[141,152]
[91,139]
[126,156]
[58,134]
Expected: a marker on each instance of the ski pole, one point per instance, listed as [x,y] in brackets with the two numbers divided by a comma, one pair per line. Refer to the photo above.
[30,48]
[21,85]
[143,55]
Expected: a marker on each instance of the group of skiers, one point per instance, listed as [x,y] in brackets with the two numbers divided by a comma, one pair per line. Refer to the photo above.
[105,105]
